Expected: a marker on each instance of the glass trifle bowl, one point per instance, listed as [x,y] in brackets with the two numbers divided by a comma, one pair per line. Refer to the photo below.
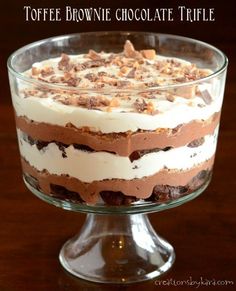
[117,125]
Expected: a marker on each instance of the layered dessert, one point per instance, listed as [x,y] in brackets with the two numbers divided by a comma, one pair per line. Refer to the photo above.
[117,127]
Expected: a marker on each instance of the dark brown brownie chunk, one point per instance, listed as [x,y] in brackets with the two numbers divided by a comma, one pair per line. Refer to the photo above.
[160,194]
[116,198]
[196,143]
[61,192]
[138,154]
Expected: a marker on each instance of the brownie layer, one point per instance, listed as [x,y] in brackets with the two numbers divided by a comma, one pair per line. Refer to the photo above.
[134,156]
[123,144]
[86,165]
[139,188]
[160,194]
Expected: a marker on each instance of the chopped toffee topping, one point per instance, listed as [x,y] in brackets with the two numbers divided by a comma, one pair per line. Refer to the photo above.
[142,106]
[129,69]
[93,55]
[64,63]
[149,54]
[144,68]
[130,52]
[91,77]
[131,73]
[170,97]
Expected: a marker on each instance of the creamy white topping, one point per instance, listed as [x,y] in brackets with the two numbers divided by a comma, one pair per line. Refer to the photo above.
[121,118]
[170,115]
[151,74]
[96,166]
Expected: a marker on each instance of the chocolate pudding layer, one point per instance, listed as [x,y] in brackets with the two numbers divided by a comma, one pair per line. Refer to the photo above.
[123,144]
[95,128]
[170,185]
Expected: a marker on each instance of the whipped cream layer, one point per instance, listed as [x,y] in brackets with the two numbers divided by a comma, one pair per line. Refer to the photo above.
[119,96]
[97,166]
[170,115]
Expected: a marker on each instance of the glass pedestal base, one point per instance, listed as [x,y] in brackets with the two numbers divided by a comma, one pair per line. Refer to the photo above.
[117,249]
[117,244]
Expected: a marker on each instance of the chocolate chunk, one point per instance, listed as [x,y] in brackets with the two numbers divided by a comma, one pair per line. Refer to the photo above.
[79,67]
[206,96]
[164,193]
[94,64]
[73,81]
[203,175]
[196,143]
[63,100]
[41,144]
[94,55]
[152,84]
[134,156]
[47,71]
[138,154]
[161,197]
[170,192]
[112,198]
[62,147]
[55,79]
[181,79]
[122,84]
[201,105]
[64,63]
[102,74]
[176,129]
[199,179]
[110,80]
[130,52]
[170,97]
[28,139]
[83,147]
[99,85]
[175,63]
[91,77]
[116,198]
[167,149]
[131,73]
[61,192]
[90,102]
[89,64]
[94,102]
[140,104]
[148,95]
